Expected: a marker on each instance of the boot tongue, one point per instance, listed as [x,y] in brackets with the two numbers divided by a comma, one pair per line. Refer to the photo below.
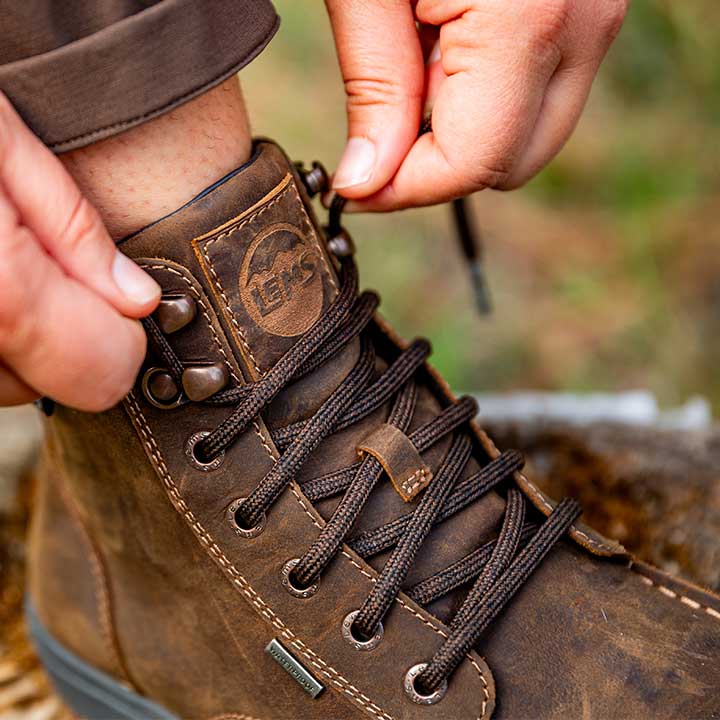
[268,268]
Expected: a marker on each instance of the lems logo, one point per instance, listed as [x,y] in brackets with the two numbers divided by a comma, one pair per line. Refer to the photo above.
[280,281]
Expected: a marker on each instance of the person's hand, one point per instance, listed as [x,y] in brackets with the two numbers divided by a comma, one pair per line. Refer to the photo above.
[506,81]
[68,298]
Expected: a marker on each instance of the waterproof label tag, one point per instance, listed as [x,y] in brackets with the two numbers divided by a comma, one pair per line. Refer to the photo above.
[294,668]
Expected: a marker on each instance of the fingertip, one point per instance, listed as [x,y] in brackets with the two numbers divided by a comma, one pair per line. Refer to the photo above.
[137,287]
[356,166]
[385,200]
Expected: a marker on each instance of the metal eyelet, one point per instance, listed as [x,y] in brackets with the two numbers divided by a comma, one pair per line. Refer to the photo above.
[414,695]
[231,516]
[288,583]
[357,643]
[150,397]
[315,180]
[190,445]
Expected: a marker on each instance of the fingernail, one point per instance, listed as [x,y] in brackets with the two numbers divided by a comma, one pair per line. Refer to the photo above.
[356,165]
[134,283]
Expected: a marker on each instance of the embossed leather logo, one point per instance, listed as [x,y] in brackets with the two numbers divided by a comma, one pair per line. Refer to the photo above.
[281,283]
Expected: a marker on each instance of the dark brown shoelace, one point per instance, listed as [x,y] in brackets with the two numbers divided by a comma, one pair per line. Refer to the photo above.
[496,569]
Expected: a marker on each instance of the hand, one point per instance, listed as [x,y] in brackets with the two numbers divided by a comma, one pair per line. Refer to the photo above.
[506,81]
[68,297]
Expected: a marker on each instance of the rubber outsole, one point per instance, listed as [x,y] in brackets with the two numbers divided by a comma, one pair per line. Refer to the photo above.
[88,692]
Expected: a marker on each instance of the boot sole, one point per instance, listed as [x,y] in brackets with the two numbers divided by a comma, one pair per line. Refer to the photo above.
[88,692]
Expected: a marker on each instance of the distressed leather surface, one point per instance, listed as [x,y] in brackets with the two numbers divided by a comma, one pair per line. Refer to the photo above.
[193,604]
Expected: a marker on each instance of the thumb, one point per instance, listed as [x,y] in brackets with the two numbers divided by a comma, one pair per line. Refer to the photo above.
[381,61]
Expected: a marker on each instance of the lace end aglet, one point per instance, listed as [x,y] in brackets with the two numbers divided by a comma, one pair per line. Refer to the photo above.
[481,291]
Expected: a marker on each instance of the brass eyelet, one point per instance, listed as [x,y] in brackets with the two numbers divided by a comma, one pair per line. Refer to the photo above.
[295,591]
[150,397]
[231,515]
[202,465]
[412,692]
[356,642]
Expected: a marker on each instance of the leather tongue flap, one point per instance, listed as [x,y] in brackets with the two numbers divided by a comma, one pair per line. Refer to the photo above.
[270,273]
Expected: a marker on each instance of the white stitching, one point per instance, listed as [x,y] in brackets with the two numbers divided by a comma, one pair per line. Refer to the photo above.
[591,541]
[233,374]
[200,302]
[304,507]
[264,441]
[207,540]
[410,490]
[218,284]
[100,589]
[231,314]
[250,218]
[308,229]
[694,604]
[535,492]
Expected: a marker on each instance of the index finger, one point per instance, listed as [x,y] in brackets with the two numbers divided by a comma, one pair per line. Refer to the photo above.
[51,205]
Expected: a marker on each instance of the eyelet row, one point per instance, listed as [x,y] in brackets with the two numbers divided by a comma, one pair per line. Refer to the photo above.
[347,627]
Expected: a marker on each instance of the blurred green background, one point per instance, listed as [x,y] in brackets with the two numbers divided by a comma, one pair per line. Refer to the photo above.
[605,270]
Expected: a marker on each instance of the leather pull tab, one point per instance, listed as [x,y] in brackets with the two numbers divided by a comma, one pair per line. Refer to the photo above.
[400,459]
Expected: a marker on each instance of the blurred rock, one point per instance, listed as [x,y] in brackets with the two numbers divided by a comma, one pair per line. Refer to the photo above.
[655,490]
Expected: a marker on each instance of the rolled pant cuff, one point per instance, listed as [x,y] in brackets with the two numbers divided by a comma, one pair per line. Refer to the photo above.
[135,69]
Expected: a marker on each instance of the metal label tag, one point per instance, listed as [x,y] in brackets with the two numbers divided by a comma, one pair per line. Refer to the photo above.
[294,668]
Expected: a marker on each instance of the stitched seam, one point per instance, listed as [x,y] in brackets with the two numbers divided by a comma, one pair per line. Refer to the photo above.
[298,497]
[263,440]
[100,586]
[411,610]
[306,227]
[694,604]
[249,218]
[203,307]
[231,314]
[233,716]
[207,540]
[411,489]
[529,487]
[311,231]
[536,494]
[425,621]
[237,65]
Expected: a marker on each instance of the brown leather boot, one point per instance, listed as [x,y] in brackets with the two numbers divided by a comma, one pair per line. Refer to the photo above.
[290,516]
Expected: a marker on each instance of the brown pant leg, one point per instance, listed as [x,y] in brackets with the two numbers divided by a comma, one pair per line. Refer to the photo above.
[78,71]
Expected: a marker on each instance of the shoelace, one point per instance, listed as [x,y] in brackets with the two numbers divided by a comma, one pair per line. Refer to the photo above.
[496,569]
